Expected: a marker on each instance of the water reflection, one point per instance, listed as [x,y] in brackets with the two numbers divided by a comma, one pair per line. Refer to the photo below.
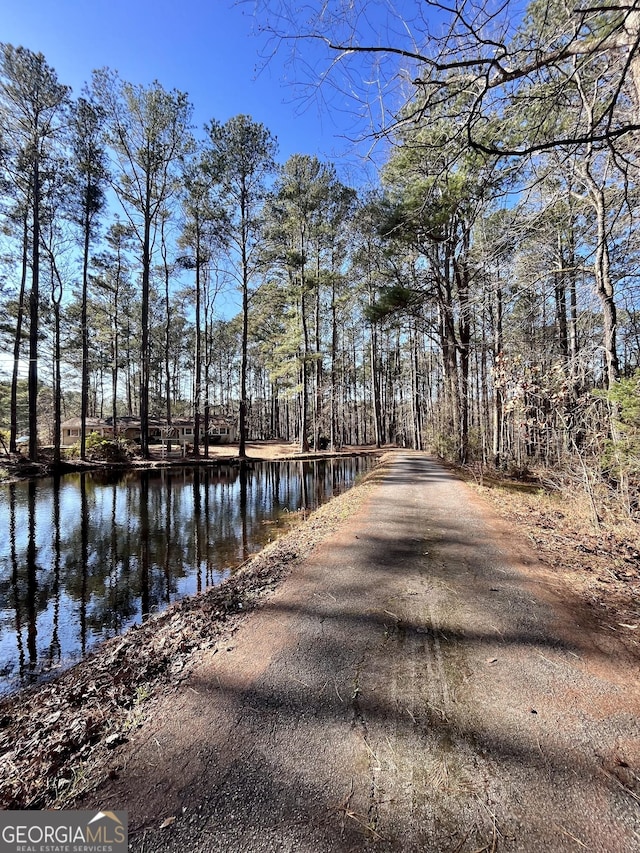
[87,555]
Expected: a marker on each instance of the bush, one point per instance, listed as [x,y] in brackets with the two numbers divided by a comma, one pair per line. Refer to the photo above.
[100,449]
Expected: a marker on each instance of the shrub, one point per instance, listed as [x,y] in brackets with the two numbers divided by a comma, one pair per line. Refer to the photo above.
[100,449]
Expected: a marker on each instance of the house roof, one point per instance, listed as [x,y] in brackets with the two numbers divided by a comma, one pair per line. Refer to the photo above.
[213,419]
[76,423]
[134,422]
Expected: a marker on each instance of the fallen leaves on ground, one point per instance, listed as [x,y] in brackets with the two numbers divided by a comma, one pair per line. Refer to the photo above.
[60,739]
[601,568]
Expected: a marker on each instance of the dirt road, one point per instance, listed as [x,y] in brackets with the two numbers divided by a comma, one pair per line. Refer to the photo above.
[418,684]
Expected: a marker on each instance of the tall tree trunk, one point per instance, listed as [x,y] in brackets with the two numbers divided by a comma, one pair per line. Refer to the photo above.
[602,270]
[129,377]
[334,376]
[560,295]
[464,339]
[317,408]
[604,289]
[242,450]
[56,297]
[207,369]
[304,402]
[167,339]
[115,349]
[13,433]
[375,378]
[197,391]
[84,382]
[145,356]
[497,356]
[413,377]
[34,300]
[354,374]
[448,346]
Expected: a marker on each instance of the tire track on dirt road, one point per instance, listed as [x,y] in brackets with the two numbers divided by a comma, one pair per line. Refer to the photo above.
[416,685]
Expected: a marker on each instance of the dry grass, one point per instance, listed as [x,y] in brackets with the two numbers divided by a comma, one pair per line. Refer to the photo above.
[601,565]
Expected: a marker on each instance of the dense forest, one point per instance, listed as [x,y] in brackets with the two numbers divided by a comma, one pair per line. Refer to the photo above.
[482,300]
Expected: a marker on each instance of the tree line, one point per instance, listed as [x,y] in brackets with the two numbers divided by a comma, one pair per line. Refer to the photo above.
[482,299]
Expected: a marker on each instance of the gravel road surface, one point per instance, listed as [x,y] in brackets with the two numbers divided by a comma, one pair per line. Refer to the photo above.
[420,684]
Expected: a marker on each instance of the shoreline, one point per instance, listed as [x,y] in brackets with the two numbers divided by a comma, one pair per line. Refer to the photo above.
[57,737]
[268,451]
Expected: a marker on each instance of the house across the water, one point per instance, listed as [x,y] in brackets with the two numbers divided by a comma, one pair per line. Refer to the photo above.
[221,430]
[70,429]
[181,430]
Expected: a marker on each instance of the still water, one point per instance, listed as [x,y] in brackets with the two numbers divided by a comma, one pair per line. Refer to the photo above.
[84,556]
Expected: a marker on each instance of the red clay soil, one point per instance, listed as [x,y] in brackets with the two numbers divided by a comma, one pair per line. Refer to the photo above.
[419,683]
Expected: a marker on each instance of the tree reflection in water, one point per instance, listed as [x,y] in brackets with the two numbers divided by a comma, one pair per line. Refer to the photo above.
[88,555]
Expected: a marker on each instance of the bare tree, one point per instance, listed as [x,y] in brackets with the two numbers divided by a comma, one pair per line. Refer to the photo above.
[473,56]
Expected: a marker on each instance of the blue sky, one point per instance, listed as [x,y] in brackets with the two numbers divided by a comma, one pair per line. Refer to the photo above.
[210,49]
[207,48]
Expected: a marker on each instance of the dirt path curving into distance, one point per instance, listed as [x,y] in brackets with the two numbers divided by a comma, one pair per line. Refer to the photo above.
[419,684]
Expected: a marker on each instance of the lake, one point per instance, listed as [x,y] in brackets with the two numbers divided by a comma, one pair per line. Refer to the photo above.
[85,556]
